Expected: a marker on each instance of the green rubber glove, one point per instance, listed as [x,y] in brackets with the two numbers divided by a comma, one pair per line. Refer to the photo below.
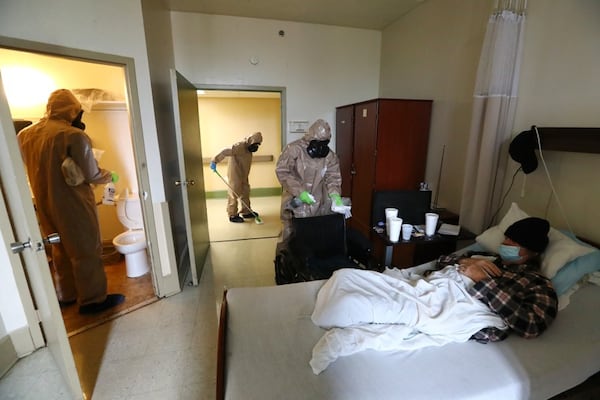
[337,200]
[306,198]
[114,177]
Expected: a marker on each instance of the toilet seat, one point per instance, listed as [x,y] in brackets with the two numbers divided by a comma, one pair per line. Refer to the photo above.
[132,242]
[129,211]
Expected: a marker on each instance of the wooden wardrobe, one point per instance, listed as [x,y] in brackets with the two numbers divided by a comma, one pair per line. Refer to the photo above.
[382,145]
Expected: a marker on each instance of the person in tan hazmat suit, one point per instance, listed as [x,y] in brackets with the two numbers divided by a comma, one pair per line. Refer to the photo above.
[309,173]
[240,161]
[68,208]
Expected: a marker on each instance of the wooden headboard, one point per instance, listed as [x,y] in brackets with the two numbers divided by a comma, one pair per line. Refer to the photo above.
[578,140]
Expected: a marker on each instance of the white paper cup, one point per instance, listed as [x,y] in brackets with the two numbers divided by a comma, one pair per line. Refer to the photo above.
[389,213]
[395,226]
[387,224]
[431,220]
[406,231]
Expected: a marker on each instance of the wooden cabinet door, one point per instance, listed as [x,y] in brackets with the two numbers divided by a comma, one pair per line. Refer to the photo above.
[365,139]
[403,127]
[344,143]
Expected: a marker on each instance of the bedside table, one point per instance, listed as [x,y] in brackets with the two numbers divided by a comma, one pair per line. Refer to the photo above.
[417,250]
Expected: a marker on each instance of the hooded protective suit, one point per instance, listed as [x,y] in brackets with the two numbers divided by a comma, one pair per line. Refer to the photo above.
[68,210]
[240,161]
[297,172]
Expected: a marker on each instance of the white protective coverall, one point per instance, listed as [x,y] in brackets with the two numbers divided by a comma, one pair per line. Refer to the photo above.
[298,172]
[240,161]
[68,210]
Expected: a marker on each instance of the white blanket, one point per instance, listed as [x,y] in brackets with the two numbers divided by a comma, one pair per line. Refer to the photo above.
[387,312]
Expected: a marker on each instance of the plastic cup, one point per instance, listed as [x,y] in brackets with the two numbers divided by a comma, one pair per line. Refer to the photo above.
[395,226]
[431,220]
[406,231]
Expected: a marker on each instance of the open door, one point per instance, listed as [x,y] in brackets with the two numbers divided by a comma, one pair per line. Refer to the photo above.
[20,231]
[191,182]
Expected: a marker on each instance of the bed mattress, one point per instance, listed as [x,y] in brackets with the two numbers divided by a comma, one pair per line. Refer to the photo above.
[270,337]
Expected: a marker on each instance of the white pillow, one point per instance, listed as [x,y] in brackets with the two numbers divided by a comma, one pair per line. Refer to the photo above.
[561,249]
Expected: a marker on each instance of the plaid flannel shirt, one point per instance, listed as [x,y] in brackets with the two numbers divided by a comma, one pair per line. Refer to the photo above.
[523,298]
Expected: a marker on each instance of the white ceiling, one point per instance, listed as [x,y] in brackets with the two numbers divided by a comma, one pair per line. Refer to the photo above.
[366,14]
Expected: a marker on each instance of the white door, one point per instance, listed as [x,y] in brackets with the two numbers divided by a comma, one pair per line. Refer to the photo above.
[191,181]
[19,225]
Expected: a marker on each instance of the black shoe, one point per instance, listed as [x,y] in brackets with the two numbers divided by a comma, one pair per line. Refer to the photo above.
[110,301]
[250,215]
[236,218]
[64,304]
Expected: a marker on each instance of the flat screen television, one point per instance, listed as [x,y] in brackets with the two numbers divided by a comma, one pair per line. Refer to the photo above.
[411,204]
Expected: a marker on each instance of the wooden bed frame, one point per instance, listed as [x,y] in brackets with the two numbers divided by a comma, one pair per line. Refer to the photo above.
[579,140]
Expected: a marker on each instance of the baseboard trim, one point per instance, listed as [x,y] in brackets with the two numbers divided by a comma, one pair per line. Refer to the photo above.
[8,355]
[258,192]
[22,341]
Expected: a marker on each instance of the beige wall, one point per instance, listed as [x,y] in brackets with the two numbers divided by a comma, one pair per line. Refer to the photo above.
[59,72]
[225,121]
[433,52]
[560,86]
[320,66]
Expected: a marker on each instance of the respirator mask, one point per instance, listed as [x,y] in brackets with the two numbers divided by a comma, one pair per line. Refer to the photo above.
[318,148]
[77,122]
[253,147]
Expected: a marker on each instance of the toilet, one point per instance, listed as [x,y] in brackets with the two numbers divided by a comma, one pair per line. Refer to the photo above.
[132,243]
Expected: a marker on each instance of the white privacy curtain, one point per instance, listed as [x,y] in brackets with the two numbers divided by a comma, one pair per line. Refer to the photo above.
[494,105]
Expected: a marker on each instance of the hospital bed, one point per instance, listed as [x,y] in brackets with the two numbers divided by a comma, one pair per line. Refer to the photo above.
[267,338]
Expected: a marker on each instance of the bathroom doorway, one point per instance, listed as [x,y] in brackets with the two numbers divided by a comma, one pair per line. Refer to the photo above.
[29,77]
[227,116]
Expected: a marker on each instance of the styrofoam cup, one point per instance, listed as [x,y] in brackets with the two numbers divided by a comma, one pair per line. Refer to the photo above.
[406,231]
[395,226]
[391,212]
[431,220]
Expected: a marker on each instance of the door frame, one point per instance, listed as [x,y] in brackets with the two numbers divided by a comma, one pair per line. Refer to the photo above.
[247,88]
[163,285]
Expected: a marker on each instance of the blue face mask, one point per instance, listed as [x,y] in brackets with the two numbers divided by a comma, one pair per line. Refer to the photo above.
[509,253]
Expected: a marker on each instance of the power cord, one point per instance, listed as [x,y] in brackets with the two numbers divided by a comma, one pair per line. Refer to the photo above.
[537,134]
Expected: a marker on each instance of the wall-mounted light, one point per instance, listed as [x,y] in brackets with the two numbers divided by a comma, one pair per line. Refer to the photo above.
[27,90]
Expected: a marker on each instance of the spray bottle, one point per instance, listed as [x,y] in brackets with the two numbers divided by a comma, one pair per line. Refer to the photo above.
[108,198]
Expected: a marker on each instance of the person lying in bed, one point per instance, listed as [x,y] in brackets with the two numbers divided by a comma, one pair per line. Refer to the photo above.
[510,283]
[479,297]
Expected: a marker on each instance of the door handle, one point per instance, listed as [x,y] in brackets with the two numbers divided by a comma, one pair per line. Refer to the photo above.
[52,238]
[185,183]
[19,247]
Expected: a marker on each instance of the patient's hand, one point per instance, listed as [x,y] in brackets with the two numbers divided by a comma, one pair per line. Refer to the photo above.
[478,269]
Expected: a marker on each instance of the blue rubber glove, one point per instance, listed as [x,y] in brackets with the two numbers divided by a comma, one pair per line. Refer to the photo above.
[306,198]
[337,200]
[213,166]
[114,177]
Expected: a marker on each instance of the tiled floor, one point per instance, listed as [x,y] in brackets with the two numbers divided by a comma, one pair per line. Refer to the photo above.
[166,350]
